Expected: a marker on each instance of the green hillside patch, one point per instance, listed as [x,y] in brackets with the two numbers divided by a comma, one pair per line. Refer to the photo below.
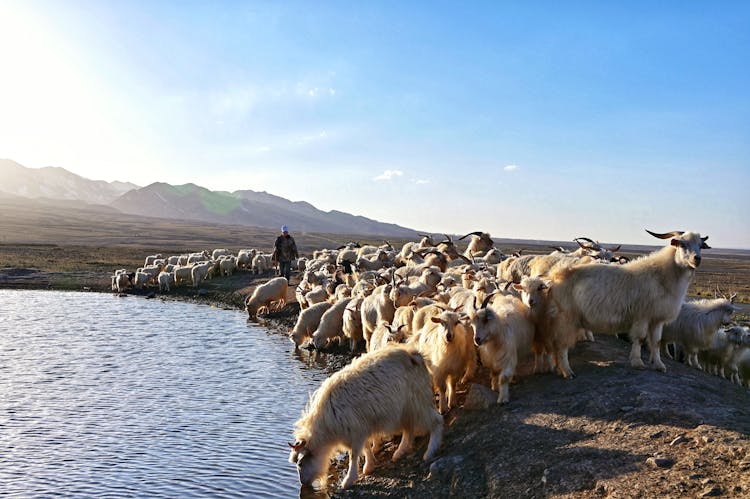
[219,202]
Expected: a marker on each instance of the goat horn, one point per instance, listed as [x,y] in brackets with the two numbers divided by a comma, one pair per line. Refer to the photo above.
[584,239]
[448,238]
[732,297]
[487,300]
[477,233]
[666,235]
[616,249]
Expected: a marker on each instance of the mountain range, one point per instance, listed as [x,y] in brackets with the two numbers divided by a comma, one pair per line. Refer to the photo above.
[187,202]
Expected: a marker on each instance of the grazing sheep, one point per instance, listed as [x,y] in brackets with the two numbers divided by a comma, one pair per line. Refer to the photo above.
[383,392]
[307,322]
[272,292]
[447,345]
[638,297]
[696,325]
[504,334]
[123,281]
[331,327]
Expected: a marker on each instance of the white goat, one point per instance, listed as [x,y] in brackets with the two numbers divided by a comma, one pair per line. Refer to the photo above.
[639,297]
[383,392]
[504,334]
[696,325]
[271,292]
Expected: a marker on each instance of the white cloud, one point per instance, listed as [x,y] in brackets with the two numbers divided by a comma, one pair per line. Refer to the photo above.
[510,168]
[421,181]
[388,175]
[263,149]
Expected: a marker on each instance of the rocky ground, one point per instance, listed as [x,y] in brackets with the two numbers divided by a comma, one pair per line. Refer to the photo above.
[612,432]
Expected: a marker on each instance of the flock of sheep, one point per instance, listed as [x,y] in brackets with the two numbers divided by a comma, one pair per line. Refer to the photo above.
[423,314]
[191,268]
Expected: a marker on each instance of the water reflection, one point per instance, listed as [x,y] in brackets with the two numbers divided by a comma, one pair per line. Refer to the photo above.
[110,397]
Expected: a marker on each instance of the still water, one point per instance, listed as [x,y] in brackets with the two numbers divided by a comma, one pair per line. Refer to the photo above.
[109,397]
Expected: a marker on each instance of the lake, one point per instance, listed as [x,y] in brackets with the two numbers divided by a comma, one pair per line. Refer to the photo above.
[109,397]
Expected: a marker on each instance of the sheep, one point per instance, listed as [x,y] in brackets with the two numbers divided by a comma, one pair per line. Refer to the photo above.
[504,334]
[639,297]
[385,334]
[123,281]
[165,280]
[725,350]
[271,292]
[301,264]
[260,265]
[481,243]
[743,367]
[141,279]
[448,348]
[228,265]
[245,258]
[201,271]
[307,322]
[173,260]
[331,325]
[203,256]
[427,283]
[383,392]
[696,325]
[150,259]
[375,308]
[183,274]
[352,323]
[215,254]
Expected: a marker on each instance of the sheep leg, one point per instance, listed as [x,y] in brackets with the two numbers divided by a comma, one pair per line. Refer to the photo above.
[563,364]
[449,391]
[442,402]
[369,460]
[354,453]
[654,337]
[503,382]
[404,446]
[436,436]
[493,381]
[638,333]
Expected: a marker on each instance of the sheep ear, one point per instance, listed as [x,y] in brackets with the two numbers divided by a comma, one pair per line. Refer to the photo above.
[518,287]
[298,445]
[436,320]
[676,242]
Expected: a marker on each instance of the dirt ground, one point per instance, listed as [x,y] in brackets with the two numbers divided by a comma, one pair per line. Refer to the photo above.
[612,432]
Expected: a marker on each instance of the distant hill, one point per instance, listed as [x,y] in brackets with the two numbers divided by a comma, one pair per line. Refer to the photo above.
[57,183]
[188,202]
[246,207]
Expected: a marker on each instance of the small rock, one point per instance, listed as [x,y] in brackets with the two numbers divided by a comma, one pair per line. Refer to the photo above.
[658,434]
[479,397]
[707,481]
[151,295]
[679,440]
[695,476]
[660,462]
[444,466]
[707,439]
[745,464]
[711,492]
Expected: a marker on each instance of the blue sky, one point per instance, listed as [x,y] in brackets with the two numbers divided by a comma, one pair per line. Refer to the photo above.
[539,120]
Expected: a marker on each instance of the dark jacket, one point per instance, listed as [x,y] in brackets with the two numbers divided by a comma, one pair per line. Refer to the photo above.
[285,249]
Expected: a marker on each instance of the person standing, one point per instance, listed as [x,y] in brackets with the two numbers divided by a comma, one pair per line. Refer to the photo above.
[285,250]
